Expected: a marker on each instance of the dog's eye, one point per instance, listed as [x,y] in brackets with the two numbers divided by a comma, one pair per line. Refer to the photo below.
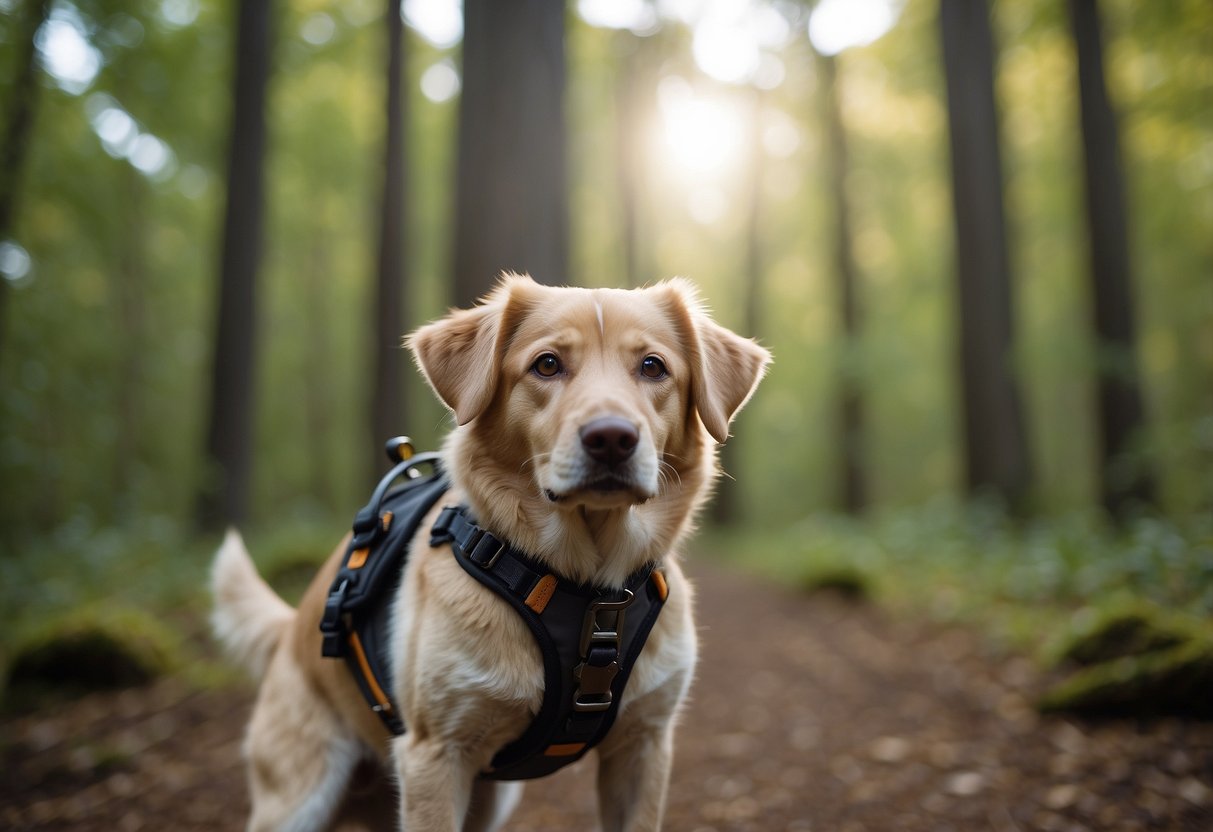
[546,366]
[653,367]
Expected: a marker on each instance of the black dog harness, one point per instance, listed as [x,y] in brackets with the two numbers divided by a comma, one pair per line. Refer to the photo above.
[589,636]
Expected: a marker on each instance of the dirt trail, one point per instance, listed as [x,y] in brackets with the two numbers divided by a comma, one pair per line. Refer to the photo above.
[807,714]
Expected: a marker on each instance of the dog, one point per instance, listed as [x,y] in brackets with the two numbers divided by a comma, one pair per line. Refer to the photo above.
[587,425]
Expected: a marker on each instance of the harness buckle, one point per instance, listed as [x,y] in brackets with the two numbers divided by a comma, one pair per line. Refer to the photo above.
[600,653]
[594,686]
[332,627]
[592,631]
[485,557]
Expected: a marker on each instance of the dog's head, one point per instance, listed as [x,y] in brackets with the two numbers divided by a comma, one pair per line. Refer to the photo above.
[592,398]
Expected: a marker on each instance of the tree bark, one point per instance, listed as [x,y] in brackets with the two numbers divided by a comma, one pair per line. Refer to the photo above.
[853,490]
[387,396]
[1124,480]
[511,206]
[996,453]
[22,101]
[224,496]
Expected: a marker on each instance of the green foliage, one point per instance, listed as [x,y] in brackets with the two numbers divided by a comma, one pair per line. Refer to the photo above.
[104,365]
[105,357]
[132,604]
[1122,615]
[1022,582]
[79,565]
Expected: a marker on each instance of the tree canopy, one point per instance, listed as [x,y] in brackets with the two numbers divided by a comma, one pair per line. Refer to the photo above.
[111,258]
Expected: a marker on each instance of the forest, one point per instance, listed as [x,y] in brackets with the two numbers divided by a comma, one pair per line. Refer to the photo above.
[216,228]
[692,145]
[976,236]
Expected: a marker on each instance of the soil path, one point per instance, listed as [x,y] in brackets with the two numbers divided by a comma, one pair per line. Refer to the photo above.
[807,714]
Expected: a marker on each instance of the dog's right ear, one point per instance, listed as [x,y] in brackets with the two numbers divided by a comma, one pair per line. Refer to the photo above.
[460,355]
[726,368]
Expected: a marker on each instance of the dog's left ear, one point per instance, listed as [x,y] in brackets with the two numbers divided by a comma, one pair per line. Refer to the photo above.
[726,367]
[459,354]
[729,372]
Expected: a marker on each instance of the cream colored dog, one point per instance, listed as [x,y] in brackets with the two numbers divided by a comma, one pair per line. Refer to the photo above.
[539,379]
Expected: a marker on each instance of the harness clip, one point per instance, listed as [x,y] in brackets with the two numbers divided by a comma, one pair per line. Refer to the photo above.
[599,654]
[592,631]
[594,685]
[484,556]
[331,625]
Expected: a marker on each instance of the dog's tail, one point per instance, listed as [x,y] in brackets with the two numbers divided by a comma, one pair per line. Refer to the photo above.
[249,618]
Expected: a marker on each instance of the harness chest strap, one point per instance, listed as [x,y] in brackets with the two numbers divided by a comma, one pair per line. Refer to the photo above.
[589,639]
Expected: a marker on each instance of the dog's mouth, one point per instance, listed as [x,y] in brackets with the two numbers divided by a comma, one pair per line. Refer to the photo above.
[608,487]
[608,483]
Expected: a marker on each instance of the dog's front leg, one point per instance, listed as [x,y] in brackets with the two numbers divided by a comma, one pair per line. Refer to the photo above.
[633,776]
[436,783]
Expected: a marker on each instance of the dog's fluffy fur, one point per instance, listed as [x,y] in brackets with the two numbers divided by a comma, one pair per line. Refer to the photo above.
[465,670]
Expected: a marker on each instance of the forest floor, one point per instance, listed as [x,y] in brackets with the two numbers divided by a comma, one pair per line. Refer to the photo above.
[808,713]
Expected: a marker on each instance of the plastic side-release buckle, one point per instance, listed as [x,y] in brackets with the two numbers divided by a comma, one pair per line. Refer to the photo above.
[332,626]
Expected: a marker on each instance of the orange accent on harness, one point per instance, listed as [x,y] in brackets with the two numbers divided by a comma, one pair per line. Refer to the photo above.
[568,749]
[541,594]
[386,520]
[358,559]
[663,589]
[368,674]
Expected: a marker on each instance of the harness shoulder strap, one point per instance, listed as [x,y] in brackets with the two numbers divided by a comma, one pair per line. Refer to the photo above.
[354,621]
[589,639]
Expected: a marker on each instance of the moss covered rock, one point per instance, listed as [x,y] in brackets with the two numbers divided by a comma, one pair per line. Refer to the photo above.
[842,581]
[1120,633]
[1175,681]
[93,649]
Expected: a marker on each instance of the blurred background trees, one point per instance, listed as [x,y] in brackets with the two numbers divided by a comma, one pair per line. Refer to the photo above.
[224,491]
[22,94]
[387,405]
[601,143]
[1124,478]
[995,446]
[511,185]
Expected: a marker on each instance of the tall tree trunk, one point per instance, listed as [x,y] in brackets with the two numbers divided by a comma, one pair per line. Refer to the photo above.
[511,207]
[23,97]
[387,397]
[726,506]
[996,451]
[852,487]
[1124,481]
[130,291]
[319,374]
[628,117]
[225,491]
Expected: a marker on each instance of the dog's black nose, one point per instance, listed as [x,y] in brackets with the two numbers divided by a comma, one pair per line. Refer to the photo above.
[609,440]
